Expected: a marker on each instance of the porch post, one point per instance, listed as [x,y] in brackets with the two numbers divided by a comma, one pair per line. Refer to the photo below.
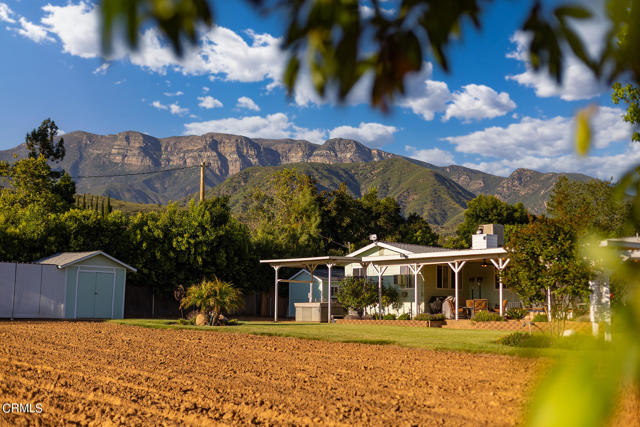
[379,271]
[415,269]
[275,296]
[329,293]
[312,269]
[456,266]
[500,265]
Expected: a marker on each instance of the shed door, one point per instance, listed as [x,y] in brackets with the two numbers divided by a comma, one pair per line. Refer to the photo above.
[95,294]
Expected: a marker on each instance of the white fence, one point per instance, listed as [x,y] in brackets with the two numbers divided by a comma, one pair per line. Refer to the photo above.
[31,291]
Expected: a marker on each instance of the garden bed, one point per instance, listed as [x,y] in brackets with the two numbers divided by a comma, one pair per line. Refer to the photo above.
[513,325]
[421,323]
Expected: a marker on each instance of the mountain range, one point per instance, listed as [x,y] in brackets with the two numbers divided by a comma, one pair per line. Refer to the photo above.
[438,193]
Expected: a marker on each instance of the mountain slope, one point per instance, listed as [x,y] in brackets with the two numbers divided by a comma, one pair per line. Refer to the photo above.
[416,188]
[134,153]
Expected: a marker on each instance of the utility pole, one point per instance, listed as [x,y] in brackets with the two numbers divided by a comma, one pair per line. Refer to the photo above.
[202,166]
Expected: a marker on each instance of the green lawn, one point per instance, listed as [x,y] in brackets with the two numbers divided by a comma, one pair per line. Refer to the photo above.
[475,341]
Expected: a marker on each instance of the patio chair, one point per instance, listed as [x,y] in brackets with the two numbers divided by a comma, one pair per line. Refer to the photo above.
[504,305]
[480,305]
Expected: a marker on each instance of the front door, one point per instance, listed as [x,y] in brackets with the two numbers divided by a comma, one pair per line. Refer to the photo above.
[95,295]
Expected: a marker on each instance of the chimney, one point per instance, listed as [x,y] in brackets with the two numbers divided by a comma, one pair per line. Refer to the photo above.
[488,236]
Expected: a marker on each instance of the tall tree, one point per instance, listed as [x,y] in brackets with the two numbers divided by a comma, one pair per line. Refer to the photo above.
[41,142]
[486,210]
[545,256]
[589,207]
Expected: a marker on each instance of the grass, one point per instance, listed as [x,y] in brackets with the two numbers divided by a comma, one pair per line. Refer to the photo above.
[472,341]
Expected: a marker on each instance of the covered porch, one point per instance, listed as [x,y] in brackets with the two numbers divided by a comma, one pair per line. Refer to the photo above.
[462,274]
[310,264]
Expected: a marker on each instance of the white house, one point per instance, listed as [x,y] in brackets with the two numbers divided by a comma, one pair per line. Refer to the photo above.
[422,272]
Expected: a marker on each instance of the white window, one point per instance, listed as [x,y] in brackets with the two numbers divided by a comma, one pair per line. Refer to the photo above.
[404,279]
[444,279]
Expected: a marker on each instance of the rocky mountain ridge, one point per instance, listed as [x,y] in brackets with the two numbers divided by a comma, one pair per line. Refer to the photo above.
[226,155]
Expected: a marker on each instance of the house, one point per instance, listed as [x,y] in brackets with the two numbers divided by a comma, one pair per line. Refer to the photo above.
[303,289]
[66,285]
[423,273]
[400,265]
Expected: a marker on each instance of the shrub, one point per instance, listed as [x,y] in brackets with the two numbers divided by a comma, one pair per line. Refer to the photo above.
[516,313]
[429,317]
[375,316]
[191,321]
[356,293]
[540,317]
[404,316]
[389,317]
[521,339]
[487,316]
[233,322]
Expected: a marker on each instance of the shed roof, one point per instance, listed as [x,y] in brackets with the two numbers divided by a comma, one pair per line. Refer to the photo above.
[65,259]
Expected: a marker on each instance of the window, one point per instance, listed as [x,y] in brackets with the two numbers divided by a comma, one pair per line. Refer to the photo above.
[444,279]
[358,272]
[404,279]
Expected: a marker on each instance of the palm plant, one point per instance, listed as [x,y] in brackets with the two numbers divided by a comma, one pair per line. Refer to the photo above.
[213,296]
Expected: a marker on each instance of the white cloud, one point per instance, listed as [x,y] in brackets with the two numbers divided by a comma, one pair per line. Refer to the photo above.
[77,26]
[119,82]
[221,53]
[159,105]
[6,13]
[247,103]
[435,156]
[548,145]
[578,81]
[205,89]
[599,166]
[102,69]
[276,125]
[175,109]
[542,137]
[425,97]
[371,134]
[178,93]
[33,31]
[209,102]
[477,102]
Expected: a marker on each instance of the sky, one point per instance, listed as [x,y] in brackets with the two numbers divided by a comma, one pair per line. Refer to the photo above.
[490,112]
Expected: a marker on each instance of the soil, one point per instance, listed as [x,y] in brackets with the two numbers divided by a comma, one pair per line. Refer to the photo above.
[102,374]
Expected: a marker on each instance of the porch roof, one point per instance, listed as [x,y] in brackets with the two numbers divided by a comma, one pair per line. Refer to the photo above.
[305,262]
[437,257]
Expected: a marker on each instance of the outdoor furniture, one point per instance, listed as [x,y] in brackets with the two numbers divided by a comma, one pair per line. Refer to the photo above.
[497,308]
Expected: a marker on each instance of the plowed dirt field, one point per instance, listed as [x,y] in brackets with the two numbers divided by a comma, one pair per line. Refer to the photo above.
[101,373]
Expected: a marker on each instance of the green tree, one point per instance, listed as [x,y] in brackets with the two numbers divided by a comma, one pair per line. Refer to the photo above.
[630,95]
[285,217]
[41,142]
[545,256]
[486,210]
[215,297]
[417,230]
[588,207]
[390,298]
[356,293]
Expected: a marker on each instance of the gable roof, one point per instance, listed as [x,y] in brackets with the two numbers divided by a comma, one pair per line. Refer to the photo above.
[402,248]
[322,274]
[65,259]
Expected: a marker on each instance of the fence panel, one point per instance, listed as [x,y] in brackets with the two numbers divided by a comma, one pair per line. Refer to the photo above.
[52,294]
[7,280]
[27,292]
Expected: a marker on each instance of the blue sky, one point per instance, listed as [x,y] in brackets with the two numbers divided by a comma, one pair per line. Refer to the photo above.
[492,112]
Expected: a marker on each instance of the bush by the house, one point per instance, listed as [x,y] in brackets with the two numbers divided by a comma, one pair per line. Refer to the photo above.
[429,317]
[487,316]
[389,316]
[516,313]
[540,317]
[404,316]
